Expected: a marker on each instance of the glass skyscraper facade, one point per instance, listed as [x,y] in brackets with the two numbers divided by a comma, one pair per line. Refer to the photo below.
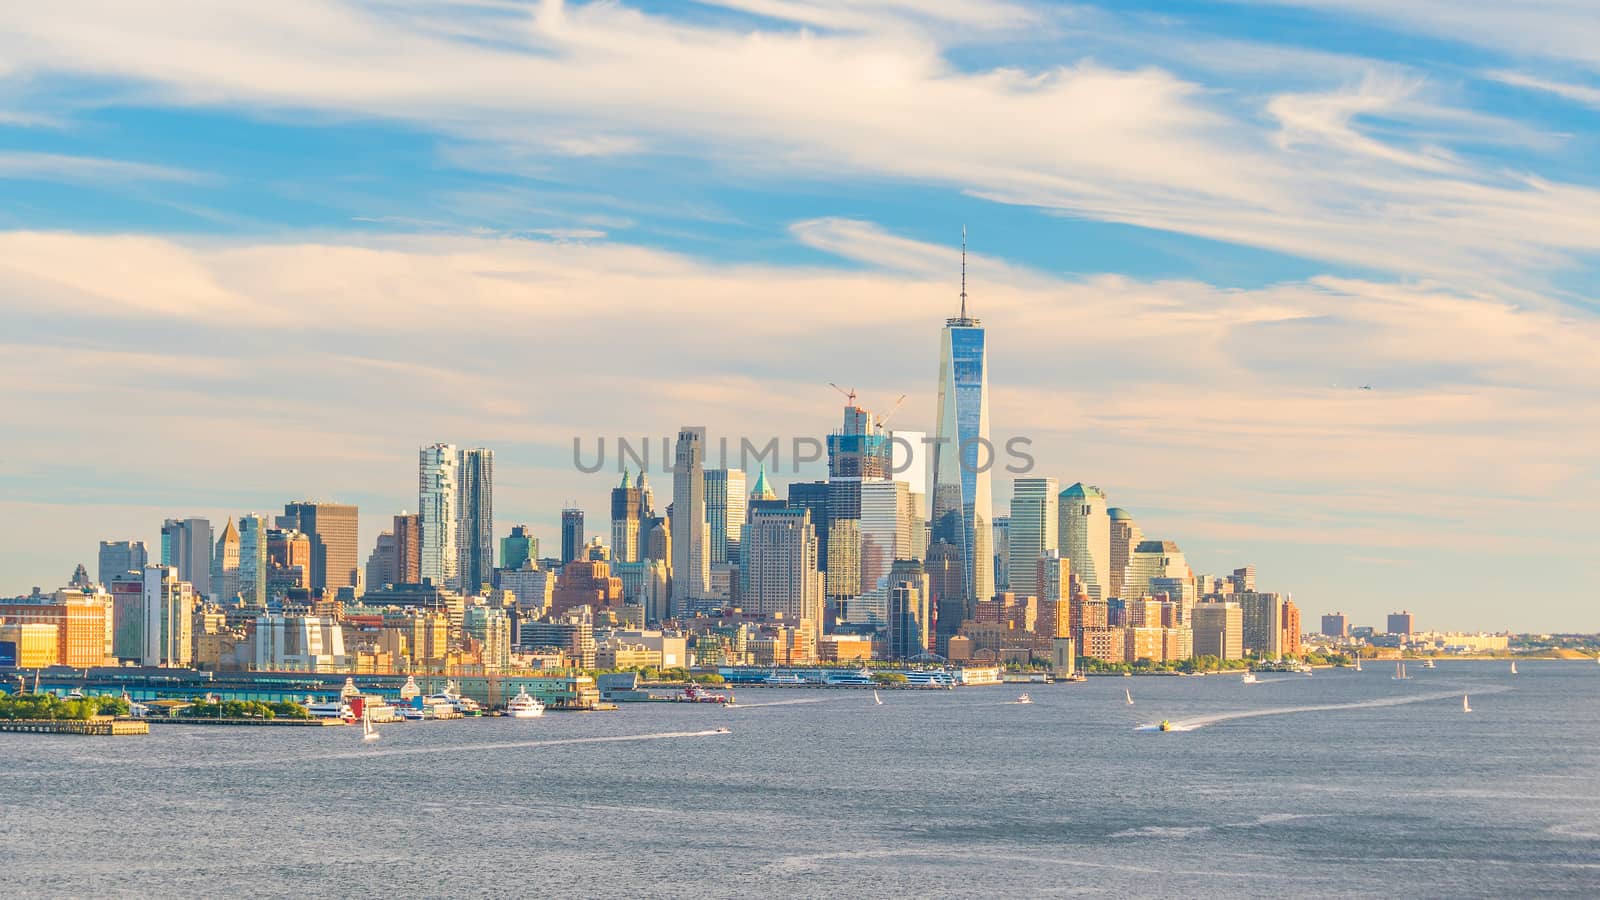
[961,498]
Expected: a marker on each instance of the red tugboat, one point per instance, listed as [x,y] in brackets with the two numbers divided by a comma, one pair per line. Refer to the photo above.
[694,694]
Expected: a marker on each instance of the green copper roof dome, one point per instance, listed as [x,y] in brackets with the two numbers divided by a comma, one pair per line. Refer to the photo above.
[1118,514]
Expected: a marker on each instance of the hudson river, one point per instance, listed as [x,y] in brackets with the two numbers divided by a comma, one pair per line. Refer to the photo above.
[824,793]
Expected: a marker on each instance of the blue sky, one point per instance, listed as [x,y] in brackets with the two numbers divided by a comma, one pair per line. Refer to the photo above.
[250,253]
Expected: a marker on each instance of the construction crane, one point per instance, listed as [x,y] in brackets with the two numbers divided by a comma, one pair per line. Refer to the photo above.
[884,422]
[850,395]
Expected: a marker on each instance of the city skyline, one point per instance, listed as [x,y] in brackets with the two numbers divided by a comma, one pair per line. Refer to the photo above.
[1199,234]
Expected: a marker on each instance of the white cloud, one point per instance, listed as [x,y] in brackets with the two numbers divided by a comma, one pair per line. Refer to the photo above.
[1307,173]
[63,167]
[1577,93]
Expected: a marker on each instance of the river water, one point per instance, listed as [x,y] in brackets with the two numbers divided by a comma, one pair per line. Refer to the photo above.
[1390,790]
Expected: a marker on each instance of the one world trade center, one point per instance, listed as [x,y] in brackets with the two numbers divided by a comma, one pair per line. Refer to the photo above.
[961,508]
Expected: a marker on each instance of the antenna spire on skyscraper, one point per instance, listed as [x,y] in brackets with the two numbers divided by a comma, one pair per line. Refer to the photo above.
[963,271]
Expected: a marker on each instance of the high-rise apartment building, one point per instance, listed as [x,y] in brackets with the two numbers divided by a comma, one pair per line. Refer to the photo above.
[333,529]
[253,560]
[1035,523]
[438,485]
[627,519]
[1335,625]
[474,519]
[186,545]
[1085,534]
[1125,536]
[121,557]
[961,500]
[781,567]
[1218,630]
[725,512]
[1263,623]
[1401,623]
[407,550]
[691,558]
[168,621]
[380,565]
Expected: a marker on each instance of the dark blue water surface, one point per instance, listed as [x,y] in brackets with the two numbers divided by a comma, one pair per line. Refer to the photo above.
[824,793]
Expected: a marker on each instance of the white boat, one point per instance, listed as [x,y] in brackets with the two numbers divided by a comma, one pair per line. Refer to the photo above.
[524,706]
[876,699]
[1249,677]
[412,714]
[368,732]
[1129,695]
[1023,698]
[1428,664]
[1513,667]
[330,709]
[784,679]
[1464,707]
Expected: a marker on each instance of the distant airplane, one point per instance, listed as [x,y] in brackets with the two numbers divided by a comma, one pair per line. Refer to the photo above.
[1366,387]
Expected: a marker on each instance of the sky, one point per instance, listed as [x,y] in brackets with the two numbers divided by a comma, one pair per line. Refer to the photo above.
[256,252]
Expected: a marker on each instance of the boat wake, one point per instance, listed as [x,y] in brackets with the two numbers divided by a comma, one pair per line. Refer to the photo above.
[1202,721]
[795,702]
[513,745]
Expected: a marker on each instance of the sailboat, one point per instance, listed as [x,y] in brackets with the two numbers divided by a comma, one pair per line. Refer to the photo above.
[875,698]
[1513,667]
[1464,707]
[1129,695]
[368,732]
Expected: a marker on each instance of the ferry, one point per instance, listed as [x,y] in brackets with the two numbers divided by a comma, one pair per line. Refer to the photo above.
[330,709]
[452,698]
[787,678]
[524,706]
[861,677]
[926,678]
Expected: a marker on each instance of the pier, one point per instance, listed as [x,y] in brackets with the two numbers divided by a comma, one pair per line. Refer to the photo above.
[75,726]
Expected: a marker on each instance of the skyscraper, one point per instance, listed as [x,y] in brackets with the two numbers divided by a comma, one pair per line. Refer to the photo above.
[1085,535]
[120,557]
[627,517]
[225,565]
[961,502]
[518,548]
[813,497]
[1033,530]
[1153,560]
[908,461]
[186,545]
[167,628]
[781,571]
[725,512]
[253,559]
[407,549]
[333,529]
[885,530]
[474,520]
[1125,536]
[380,565]
[691,561]
[571,535]
[437,485]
